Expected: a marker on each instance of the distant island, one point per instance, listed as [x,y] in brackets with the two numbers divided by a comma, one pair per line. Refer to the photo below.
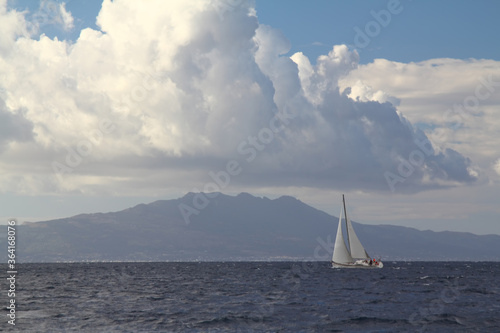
[224,228]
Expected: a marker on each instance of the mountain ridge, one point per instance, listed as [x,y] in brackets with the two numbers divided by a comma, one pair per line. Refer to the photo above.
[241,227]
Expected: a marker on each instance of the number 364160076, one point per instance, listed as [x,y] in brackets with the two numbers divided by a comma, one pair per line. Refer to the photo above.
[11,238]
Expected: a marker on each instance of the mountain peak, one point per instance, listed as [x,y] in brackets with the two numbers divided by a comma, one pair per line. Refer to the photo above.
[245,195]
[241,227]
[288,198]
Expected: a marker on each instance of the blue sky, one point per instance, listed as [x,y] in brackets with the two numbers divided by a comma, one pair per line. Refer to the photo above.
[421,30]
[187,93]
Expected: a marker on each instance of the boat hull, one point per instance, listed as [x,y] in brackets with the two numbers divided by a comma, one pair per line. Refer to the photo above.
[357,264]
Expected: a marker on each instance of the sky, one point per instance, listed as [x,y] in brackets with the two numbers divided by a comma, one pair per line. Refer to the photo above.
[108,104]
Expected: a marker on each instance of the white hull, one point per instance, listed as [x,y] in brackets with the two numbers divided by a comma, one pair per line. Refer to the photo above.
[357,264]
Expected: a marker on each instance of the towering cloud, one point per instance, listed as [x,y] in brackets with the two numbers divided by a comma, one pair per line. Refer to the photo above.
[168,91]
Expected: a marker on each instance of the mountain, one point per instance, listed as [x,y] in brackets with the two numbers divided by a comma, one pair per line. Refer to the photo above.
[220,227]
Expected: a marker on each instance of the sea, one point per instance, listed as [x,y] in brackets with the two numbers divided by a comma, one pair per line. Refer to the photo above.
[254,297]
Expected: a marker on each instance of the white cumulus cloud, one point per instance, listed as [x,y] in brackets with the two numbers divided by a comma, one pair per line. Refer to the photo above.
[455,102]
[168,91]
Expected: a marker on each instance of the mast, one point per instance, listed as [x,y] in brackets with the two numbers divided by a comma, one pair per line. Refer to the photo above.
[340,252]
[346,226]
[356,249]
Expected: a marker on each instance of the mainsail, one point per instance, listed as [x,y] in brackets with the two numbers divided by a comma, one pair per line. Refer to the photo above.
[353,255]
[340,252]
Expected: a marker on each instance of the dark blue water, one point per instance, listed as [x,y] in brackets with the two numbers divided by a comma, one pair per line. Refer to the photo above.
[256,297]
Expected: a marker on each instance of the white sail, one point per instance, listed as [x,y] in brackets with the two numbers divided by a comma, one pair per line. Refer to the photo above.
[340,251]
[354,255]
[357,250]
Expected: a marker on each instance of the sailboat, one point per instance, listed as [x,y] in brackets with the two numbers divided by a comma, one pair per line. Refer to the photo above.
[354,254]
